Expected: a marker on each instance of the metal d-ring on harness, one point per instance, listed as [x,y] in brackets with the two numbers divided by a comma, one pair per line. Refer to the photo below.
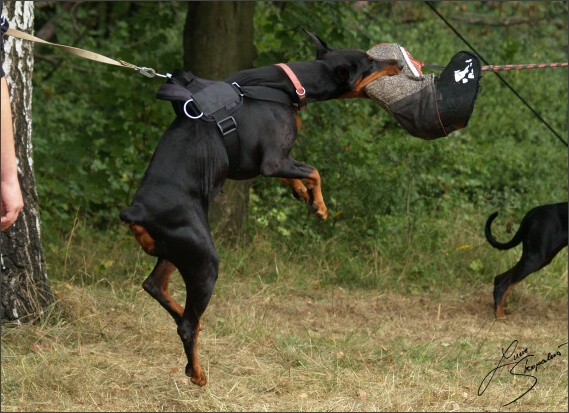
[186,110]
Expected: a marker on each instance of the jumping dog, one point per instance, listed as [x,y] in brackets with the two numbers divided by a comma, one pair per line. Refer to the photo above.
[543,233]
[169,212]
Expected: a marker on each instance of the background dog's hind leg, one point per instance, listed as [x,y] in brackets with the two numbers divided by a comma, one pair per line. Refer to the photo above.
[502,285]
[157,286]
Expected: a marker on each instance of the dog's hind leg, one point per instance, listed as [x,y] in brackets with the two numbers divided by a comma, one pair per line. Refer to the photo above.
[530,262]
[502,286]
[504,283]
[157,286]
[200,281]
[198,263]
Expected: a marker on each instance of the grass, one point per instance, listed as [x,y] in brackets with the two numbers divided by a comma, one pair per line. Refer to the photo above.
[298,327]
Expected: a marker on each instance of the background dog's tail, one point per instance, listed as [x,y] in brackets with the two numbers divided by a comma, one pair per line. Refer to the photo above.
[501,246]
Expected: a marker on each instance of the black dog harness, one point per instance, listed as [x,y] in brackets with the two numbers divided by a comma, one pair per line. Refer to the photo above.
[215,102]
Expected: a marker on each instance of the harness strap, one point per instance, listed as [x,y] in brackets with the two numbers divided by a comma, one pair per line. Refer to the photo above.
[266,93]
[300,91]
[227,126]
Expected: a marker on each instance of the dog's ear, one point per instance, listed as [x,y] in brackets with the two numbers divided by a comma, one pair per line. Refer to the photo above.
[321,47]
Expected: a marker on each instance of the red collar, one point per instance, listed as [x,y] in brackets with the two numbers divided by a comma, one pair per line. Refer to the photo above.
[300,91]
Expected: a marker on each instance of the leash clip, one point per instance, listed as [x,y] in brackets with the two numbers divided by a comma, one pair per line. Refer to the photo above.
[149,72]
[145,71]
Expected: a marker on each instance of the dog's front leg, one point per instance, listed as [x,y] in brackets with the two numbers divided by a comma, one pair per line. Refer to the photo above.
[313,184]
[291,173]
[299,191]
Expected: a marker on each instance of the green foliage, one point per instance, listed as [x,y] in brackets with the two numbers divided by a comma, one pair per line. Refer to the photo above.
[376,177]
[96,126]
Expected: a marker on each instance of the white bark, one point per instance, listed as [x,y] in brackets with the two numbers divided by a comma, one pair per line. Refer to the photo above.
[25,290]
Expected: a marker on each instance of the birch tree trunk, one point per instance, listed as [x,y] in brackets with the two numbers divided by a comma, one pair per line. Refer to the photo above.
[25,292]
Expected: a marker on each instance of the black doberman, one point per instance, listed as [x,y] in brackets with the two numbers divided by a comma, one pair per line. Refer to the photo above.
[169,212]
[543,233]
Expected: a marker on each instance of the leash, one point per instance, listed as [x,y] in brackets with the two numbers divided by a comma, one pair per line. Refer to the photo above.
[145,71]
[519,67]
[505,68]
[254,92]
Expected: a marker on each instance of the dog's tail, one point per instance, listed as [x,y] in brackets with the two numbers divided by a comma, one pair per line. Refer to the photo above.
[133,217]
[501,246]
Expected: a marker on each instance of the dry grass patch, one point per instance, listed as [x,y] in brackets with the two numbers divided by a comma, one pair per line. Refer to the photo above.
[276,347]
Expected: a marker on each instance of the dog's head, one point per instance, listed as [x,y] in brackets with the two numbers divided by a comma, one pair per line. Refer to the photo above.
[352,69]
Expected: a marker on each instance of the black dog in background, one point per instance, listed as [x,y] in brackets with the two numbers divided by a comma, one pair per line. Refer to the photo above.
[543,233]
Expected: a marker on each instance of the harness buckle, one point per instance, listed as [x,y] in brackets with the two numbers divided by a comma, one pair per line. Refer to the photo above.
[238,88]
[227,125]
[301,92]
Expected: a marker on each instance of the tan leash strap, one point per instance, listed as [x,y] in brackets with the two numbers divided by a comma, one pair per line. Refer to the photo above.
[73,50]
